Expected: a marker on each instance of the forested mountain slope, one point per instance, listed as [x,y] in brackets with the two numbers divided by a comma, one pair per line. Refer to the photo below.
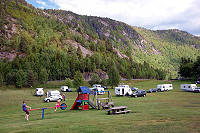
[56,43]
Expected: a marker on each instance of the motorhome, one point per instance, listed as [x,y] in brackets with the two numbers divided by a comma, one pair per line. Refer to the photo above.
[98,88]
[164,87]
[53,96]
[39,92]
[123,90]
[188,87]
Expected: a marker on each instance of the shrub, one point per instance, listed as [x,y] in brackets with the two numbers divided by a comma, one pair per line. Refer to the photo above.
[69,83]
[94,79]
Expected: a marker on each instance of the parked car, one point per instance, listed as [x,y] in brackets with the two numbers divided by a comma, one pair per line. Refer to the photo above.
[152,90]
[197,90]
[134,88]
[69,90]
[53,98]
[139,93]
[104,87]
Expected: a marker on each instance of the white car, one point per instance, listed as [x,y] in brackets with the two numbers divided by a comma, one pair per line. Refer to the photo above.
[53,98]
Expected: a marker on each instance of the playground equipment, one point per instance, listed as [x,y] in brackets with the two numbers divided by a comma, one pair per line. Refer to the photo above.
[83,101]
[102,101]
[62,107]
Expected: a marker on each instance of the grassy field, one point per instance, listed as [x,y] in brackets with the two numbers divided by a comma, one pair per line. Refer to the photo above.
[172,111]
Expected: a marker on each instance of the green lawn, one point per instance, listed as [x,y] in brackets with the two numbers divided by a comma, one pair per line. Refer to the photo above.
[172,111]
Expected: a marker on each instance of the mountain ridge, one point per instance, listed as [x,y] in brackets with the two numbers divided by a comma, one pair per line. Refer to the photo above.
[27,31]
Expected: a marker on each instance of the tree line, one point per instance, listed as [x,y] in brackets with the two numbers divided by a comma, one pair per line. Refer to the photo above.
[189,68]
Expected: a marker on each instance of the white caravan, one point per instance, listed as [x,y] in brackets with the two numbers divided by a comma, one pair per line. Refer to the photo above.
[64,88]
[97,87]
[188,87]
[123,90]
[164,87]
[53,93]
[39,92]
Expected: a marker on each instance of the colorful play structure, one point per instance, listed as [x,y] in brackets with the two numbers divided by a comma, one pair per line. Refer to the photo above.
[63,106]
[105,101]
[83,101]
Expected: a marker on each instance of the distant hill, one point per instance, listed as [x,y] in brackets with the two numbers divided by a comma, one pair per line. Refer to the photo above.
[62,42]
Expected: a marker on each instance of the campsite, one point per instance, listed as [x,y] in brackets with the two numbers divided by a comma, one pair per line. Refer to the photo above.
[169,111]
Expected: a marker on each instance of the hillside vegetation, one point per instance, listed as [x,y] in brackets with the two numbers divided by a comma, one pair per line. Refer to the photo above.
[56,43]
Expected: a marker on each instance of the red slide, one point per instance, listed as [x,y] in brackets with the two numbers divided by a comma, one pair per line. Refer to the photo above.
[75,103]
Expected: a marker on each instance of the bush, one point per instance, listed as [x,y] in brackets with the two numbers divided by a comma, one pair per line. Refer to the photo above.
[94,79]
[104,82]
[69,83]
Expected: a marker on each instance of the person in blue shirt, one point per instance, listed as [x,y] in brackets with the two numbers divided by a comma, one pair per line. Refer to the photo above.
[24,106]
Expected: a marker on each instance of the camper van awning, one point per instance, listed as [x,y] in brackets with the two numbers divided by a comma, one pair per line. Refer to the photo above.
[83,89]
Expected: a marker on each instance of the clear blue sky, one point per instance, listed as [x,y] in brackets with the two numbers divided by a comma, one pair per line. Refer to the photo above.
[150,14]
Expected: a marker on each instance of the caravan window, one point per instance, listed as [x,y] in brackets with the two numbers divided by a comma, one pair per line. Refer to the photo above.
[184,86]
[118,89]
[188,86]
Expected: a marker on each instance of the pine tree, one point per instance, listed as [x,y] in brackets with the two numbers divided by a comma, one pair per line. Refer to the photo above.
[43,75]
[30,80]
[20,78]
[78,79]
[114,77]
[1,79]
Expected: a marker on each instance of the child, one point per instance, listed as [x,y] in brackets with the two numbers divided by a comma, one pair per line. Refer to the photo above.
[57,105]
[25,110]
[63,96]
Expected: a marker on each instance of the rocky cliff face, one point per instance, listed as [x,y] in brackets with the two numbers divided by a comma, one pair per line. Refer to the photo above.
[100,73]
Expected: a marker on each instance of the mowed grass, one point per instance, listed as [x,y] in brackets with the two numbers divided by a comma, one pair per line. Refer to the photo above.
[172,111]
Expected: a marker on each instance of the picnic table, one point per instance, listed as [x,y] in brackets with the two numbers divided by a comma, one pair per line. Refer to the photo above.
[118,110]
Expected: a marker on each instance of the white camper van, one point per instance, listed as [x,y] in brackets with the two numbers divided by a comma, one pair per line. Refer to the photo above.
[39,92]
[188,87]
[164,87]
[53,96]
[66,89]
[97,87]
[123,90]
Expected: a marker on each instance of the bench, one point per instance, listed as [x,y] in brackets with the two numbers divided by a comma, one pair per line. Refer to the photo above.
[118,110]
[108,111]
